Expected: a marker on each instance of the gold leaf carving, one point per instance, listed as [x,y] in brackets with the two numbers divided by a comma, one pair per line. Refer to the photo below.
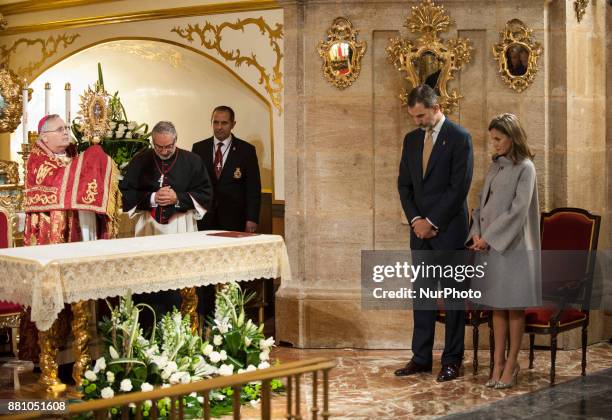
[580,8]
[210,38]
[48,48]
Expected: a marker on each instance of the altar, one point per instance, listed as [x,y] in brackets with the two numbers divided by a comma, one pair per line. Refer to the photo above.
[47,277]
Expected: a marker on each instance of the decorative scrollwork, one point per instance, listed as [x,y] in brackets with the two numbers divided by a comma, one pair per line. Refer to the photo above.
[9,170]
[580,8]
[210,38]
[48,48]
[517,55]
[430,60]
[341,53]
[10,100]
[3,22]
[11,203]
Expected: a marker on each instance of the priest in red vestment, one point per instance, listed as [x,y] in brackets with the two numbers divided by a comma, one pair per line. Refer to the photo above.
[68,198]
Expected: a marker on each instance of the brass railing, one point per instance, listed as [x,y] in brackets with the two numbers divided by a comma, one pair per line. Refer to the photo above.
[293,372]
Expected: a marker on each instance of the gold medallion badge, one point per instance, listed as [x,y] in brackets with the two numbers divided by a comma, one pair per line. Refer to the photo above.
[237,173]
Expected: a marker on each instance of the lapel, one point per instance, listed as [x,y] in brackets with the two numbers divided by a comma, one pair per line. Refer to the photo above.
[437,150]
[228,168]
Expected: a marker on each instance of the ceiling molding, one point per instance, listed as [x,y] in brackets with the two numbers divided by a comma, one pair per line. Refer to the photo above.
[30,6]
[208,9]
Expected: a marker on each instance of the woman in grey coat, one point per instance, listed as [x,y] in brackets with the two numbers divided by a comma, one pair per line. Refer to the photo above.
[506,232]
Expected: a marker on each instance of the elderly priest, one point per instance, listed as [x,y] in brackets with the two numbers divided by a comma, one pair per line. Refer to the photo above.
[167,189]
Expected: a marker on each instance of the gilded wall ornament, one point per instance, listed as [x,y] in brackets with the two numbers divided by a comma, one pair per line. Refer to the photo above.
[94,114]
[210,38]
[48,48]
[341,53]
[3,22]
[580,8]
[430,60]
[11,203]
[10,100]
[9,172]
[517,55]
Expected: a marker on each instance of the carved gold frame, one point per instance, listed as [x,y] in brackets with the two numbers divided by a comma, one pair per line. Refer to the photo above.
[10,88]
[341,31]
[516,34]
[94,113]
[428,20]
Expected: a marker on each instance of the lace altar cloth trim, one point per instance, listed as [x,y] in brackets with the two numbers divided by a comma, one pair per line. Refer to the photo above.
[188,259]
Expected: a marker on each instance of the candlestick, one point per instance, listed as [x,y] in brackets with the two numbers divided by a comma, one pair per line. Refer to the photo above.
[68,116]
[24,111]
[47,98]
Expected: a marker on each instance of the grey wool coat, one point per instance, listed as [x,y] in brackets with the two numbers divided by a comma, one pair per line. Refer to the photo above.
[508,219]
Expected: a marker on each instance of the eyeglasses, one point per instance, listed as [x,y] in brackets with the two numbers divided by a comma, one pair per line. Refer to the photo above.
[59,130]
[168,147]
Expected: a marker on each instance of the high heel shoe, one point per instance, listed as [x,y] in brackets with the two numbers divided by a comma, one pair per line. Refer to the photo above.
[491,383]
[513,381]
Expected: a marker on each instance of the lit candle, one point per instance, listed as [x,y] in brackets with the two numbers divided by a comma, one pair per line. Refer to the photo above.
[24,110]
[47,97]
[68,116]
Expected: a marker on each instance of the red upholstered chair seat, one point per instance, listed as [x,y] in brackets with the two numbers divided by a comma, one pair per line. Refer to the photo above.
[9,308]
[541,317]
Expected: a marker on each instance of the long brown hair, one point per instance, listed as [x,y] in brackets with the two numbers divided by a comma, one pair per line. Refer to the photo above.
[509,125]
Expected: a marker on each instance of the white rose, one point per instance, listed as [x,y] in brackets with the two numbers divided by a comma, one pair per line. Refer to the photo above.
[121,127]
[226,370]
[171,367]
[178,377]
[160,361]
[132,125]
[107,392]
[146,387]
[113,124]
[126,385]
[251,368]
[113,353]
[215,357]
[109,134]
[217,340]
[91,376]
[264,355]
[223,355]
[241,371]
[263,365]
[247,341]
[266,344]
[208,350]
[110,377]
[128,135]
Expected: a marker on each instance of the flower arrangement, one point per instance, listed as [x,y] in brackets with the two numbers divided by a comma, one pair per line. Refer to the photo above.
[124,138]
[172,354]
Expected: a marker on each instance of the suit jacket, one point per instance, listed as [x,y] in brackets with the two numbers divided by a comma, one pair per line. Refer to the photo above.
[237,193]
[439,195]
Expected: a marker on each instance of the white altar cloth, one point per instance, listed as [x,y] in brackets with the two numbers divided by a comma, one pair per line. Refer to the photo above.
[46,277]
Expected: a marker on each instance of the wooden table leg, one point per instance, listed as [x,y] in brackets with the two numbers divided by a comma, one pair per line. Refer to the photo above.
[189,306]
[80,345]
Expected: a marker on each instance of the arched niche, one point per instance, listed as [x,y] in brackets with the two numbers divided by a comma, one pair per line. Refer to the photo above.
[160,80]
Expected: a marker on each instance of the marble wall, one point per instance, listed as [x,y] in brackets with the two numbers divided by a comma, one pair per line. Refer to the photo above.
[343,147]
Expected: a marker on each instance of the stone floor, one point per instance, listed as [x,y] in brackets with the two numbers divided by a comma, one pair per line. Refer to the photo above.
[363,386]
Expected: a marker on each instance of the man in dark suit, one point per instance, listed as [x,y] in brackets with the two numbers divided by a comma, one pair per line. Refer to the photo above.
[434,180]
[233,168]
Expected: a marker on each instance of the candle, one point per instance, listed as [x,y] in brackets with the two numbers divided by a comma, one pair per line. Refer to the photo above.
[47,97]
[68,116]
[24,111]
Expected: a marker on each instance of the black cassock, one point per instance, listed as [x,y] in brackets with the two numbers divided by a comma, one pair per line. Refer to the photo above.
[184,172]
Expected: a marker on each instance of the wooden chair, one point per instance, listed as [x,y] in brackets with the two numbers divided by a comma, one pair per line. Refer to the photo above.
[474,317]
[567,278]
